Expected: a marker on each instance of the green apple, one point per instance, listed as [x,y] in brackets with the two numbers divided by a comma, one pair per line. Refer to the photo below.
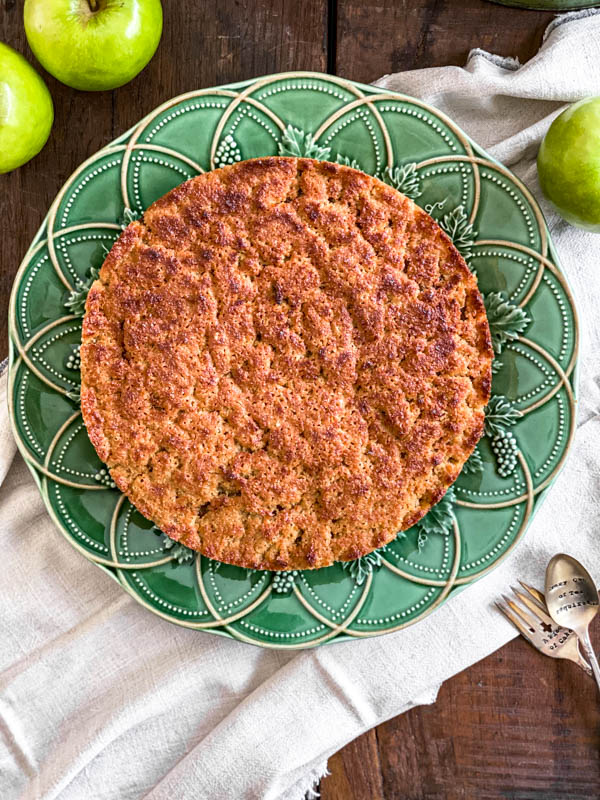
[26,111]
[569,164]
[93,44]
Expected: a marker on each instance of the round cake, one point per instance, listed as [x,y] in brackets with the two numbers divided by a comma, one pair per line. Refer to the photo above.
[285,363]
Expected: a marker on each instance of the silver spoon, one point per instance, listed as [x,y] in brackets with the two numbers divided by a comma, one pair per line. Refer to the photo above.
[572,600]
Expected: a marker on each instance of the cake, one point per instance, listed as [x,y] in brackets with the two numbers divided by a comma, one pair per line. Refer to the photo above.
[285,363]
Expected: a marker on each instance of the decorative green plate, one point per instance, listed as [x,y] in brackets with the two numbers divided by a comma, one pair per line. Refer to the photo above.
[498,227]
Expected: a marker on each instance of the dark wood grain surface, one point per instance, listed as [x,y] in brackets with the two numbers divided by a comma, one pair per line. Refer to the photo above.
[375,37]
[516,725]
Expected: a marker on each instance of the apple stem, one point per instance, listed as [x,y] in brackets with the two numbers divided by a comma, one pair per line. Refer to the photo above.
[93,4]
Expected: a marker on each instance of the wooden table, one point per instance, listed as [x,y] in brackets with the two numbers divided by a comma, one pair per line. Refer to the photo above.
[515,725]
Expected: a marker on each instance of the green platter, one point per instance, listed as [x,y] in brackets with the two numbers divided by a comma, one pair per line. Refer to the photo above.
[498,227]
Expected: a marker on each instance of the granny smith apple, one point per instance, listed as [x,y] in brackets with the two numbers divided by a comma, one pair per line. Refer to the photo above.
[26,111]
[569,164]
[93,44]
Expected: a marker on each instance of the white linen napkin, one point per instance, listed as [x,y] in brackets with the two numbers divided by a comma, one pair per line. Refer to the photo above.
[100,698]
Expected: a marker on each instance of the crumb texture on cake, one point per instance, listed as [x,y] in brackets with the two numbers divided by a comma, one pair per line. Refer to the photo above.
[285,363]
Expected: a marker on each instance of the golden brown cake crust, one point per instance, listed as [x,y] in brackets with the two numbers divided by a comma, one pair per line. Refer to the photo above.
[285,363]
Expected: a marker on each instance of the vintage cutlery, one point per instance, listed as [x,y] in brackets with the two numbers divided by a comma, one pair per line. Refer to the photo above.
[533,622]
[572,601]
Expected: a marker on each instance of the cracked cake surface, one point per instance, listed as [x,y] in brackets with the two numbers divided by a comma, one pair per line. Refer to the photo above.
[285,363]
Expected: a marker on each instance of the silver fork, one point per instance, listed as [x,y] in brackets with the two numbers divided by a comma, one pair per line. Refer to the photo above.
[535,624]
